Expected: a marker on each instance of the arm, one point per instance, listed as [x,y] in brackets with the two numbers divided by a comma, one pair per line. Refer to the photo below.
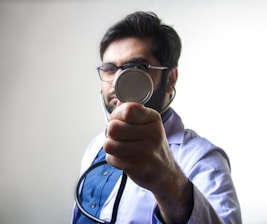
[202,211]
[208,168]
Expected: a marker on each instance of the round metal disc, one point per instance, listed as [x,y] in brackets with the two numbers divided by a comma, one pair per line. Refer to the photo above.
[133,85]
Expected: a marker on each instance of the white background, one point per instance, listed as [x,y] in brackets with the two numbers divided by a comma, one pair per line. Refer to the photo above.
[49,94]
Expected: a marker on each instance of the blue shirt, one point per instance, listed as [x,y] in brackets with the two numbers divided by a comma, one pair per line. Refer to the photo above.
[206,165]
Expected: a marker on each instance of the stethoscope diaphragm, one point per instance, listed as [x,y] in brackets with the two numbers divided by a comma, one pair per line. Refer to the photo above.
[133,85]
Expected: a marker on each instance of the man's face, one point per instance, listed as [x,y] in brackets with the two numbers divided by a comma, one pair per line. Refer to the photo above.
[132,50]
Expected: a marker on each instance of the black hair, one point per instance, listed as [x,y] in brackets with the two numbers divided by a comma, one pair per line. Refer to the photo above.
[166,45]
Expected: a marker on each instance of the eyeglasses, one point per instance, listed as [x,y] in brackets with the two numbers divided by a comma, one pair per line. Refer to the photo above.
[107,71]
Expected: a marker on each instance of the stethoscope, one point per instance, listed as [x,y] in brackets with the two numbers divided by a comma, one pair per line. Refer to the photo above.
[141,93]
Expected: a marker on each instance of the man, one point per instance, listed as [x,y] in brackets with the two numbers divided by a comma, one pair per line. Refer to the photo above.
[145,167]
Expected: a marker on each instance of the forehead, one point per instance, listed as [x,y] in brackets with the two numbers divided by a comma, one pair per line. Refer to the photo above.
[126,49]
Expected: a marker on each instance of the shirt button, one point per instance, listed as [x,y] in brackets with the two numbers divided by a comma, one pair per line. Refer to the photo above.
[105,173]
[93,205]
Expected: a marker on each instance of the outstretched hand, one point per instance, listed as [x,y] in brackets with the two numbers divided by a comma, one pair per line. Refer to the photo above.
[136,143]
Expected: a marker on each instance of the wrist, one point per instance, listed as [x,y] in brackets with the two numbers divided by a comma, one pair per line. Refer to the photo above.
[178,211]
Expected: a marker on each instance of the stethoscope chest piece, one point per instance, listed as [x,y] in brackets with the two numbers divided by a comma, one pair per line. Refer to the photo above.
[133,85]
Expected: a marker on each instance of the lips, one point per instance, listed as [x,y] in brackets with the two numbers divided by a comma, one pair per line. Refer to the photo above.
[112,97]
[113,100]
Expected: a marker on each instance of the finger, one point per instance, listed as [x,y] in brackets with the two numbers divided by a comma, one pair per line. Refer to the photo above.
[120,162]
[135,113]
[125,131]
[121,149]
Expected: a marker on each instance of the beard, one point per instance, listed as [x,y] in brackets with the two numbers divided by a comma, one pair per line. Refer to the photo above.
[109,107]
[156,101]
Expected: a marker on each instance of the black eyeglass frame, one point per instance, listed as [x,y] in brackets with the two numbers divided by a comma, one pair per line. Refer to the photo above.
[114,68]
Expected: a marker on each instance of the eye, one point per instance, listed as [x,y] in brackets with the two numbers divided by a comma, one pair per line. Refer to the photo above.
[133,65]
[109,68]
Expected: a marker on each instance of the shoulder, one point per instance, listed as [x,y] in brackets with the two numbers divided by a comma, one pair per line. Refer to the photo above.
[196,149]
[92,150]
[200,145]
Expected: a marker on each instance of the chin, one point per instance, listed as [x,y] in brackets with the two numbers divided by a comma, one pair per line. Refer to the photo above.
[110,108]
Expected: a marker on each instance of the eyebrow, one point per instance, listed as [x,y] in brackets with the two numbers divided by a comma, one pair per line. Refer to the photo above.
[138,60]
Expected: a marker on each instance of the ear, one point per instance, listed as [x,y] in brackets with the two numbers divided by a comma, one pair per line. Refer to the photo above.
[172,79]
